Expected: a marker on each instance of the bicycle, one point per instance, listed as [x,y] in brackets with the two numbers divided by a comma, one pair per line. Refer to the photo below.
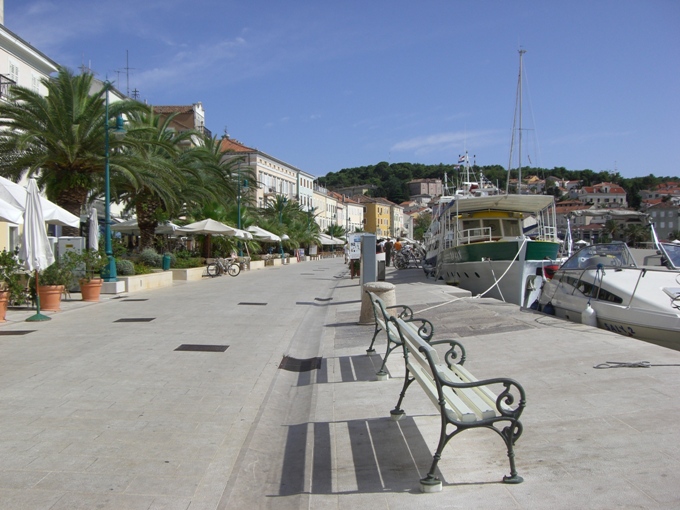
[221,266]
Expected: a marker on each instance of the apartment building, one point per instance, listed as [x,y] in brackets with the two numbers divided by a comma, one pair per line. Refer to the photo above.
[20,64]
[274,177]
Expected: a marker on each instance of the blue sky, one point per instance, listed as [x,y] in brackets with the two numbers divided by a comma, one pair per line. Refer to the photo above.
[331,85]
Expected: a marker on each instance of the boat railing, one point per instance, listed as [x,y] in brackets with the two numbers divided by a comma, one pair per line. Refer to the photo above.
[474,235]
[547,233]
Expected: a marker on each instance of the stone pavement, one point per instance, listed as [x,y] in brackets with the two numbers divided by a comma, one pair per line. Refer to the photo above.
[98,409]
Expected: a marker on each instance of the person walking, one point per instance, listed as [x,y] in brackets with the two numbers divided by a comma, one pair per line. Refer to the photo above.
[388,252]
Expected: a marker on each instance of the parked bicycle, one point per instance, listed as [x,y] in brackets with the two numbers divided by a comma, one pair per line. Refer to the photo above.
[222,266]
[408,258]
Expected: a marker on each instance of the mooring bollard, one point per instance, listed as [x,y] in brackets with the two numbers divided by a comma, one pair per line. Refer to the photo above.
[385,291]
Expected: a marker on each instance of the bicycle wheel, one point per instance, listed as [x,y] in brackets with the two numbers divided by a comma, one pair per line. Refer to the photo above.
[233,270]
[213,269]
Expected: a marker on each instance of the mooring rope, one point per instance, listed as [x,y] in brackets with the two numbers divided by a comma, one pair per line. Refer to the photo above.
[634,364]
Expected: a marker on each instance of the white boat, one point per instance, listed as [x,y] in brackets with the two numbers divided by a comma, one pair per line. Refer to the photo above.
[604,285]
[472,187]
[497,245]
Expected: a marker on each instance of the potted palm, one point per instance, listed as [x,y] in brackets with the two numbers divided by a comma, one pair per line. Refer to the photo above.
[88,266]
[52,282]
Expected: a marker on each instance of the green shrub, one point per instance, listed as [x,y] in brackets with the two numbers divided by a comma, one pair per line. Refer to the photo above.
[125,267]
[143,269]
[149,257]
[186,263]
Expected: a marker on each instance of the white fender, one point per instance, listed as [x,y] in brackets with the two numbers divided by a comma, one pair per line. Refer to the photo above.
[589,316]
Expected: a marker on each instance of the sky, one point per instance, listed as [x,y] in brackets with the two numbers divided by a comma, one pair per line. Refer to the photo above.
[327,85]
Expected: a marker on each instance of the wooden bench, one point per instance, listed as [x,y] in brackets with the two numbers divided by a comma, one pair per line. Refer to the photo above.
[382,314]
[463,401]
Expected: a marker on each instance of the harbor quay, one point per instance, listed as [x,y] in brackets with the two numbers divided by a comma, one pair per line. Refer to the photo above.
[257,392]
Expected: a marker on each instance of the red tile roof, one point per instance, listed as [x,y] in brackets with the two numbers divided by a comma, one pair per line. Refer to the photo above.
[231,145]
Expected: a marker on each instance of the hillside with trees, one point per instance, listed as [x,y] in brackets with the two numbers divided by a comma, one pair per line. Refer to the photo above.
[391,179]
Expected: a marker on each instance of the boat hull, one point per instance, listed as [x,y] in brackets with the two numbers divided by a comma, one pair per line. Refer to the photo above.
[495,269]
[646,309]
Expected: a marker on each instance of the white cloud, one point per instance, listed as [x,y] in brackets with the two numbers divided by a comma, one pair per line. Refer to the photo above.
[447,141]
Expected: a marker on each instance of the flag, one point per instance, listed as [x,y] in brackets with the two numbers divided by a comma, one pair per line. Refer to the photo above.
[461,159]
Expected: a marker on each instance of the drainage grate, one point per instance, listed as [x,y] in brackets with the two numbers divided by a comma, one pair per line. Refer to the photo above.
[202,348]
[135,300]
[136,319]
[18,332]
[245,303]
[300,365]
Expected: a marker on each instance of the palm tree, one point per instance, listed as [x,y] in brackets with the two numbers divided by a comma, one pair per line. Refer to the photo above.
[635,234]
[610,229]
[59,139]
[162,167]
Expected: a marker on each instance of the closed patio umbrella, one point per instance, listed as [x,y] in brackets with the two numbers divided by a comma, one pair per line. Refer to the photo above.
[36,251]
[93,231]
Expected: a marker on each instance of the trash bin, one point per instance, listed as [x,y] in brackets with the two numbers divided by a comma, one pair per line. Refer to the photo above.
[166,262]
[381,270]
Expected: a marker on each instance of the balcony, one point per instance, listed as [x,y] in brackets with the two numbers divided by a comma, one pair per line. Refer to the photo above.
[5,84]
[205,131]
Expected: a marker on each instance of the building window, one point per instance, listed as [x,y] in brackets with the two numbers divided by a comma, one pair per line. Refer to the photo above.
[13,72]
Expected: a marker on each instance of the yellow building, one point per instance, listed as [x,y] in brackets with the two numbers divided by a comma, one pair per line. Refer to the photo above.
[376,215]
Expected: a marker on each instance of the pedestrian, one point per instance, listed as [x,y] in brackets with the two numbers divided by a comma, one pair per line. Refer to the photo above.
[397,245]
[388,252]
[378,246]
[346,249]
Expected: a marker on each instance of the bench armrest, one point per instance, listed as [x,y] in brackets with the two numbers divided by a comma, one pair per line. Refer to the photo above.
[405,314]
[425,327]
[509,403]
[456,353]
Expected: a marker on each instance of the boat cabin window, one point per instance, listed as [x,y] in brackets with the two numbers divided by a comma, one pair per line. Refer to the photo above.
[468,224]
[607,255]
[511,228]
[671,254]
[494,225]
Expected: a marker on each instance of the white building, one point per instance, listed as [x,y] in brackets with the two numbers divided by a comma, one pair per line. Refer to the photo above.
[20,64]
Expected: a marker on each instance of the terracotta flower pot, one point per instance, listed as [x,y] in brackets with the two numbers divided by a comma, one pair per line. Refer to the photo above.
[91,290]
[4,301]
[50,297]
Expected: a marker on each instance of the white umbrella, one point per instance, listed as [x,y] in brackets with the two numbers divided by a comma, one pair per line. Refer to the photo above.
[243,234]
[10,213]
[328,240]
[207,226]
[35,249]
[15,195]
[132,227]
[260,234]
[93,232]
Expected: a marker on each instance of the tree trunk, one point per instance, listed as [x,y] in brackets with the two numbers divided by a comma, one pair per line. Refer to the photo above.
[72,200]
[147,222]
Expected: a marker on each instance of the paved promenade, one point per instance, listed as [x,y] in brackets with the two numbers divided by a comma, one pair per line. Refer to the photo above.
[98,410]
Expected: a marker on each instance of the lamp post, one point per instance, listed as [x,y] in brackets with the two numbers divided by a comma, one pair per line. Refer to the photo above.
[282,204]
[238,209]
[109,273]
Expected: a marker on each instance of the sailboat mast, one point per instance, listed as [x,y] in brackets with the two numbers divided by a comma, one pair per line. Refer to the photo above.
[519,177]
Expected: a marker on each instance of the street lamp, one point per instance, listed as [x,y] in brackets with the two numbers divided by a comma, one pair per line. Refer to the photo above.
[109,273]
[282,204]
